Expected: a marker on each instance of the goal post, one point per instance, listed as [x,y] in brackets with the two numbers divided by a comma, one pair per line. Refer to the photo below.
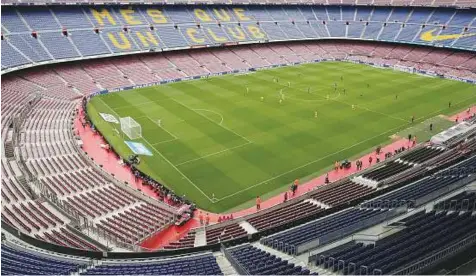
[131,128]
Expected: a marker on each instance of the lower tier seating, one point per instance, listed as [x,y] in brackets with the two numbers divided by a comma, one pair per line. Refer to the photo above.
[325,229]
[423,233]
[18,262]
[204,264]
[259,262]
[460,202]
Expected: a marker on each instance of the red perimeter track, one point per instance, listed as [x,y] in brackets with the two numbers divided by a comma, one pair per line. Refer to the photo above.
[110,163]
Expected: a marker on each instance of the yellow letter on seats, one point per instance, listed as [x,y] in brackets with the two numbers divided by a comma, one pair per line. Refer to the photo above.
[256,32]
[128,15]
[100,15]
[149,37]
[222,14]
[191,32]
[240,13]
[202,15]
[157,16]
[237,33]
[126,44]
[216,37]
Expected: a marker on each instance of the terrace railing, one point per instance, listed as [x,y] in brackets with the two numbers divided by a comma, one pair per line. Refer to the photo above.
[236,265]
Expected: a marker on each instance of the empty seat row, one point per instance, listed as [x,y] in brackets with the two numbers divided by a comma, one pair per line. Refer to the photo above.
[423,234]
[204,264]
[258,262]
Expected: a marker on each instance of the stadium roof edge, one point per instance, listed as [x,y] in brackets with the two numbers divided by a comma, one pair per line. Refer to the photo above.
[227,2]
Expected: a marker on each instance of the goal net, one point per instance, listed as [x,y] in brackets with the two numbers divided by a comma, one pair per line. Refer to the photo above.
[131,128]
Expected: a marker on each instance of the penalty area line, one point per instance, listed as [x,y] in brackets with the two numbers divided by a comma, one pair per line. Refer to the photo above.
[163,142]
[179,171]
[171,134]
[194,110]
[309,163]
[166,160]
[212,154]
[211,111]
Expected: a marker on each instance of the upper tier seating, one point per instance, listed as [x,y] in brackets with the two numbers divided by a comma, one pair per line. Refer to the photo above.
[258,262]
[203,264]
[418,3]
[34,35]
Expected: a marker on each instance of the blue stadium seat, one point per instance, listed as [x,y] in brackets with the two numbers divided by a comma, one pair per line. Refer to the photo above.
[142,28]
[259,262]
[15,261]
[191,265]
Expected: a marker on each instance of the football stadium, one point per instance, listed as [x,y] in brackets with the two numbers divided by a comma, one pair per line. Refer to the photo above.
[238,137]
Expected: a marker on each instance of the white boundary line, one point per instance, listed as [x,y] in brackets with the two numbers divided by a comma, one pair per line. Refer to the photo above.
[171,134]
[211,111]
[265,181]
[244,138]
[211,154]
[166,141]
[309,163]
[179,171]
[166,160]
[317,160]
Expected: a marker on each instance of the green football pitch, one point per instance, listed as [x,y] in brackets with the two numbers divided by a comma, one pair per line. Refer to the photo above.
[224,140]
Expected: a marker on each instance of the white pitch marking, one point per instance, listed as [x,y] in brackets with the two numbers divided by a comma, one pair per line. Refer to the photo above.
[309,163]
[171,134]
[211,154]
[166,160]
[179,171]
[211,111]
[163,142]
[211,120]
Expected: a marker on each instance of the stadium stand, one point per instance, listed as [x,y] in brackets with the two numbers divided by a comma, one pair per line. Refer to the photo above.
[21,262]
[421,155]
[278,216]
[387,170]
[419,236]
[255,261]
[464,201]
[322,231]
[61,33]
[200,264]
[60,151]
[223,233]
[185,242]
[341,194]
[410,195]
